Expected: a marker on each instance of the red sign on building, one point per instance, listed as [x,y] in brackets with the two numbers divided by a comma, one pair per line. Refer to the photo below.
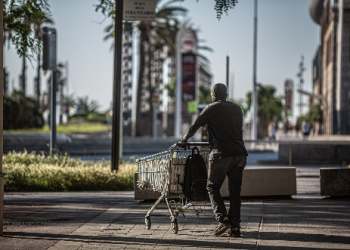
[188,77]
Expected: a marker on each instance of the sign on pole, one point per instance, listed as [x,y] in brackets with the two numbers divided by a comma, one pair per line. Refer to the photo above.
[188,77]
[139,10]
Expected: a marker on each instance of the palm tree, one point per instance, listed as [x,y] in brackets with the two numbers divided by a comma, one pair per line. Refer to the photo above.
[87,106]
[38,36]
[19,19]
[68,103]
[153,36]
[202,61]
[269,107]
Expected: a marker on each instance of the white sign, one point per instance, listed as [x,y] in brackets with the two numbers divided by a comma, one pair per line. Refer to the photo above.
[139,10]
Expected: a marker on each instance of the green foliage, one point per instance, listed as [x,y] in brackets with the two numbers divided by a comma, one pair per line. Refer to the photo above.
[223,6]
[73,127]
[315,114]
[93,117]
[21,112]
[171,87]
[204,95]
[19,19]
[87,106]
[96,117]
[269,107]
[31,172]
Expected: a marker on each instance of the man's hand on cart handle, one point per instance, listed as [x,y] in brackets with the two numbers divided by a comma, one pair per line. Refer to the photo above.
[182,144]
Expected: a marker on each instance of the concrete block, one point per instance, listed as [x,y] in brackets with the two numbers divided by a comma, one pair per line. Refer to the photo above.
[257,181]
[314,153]
[266,181]
[335,181]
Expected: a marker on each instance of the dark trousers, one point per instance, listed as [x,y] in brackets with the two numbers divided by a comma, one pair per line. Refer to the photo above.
[219,168]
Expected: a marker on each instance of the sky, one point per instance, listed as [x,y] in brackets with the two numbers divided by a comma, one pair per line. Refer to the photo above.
[285,33]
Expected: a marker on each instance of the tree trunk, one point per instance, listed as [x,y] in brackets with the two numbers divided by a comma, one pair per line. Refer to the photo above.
[144,110]
[139,122]
[38,80]
[23,76]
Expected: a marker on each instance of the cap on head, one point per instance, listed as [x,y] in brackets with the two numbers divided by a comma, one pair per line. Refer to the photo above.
[219,92]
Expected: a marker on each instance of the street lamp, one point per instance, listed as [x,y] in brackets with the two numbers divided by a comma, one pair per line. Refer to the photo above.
[255,94]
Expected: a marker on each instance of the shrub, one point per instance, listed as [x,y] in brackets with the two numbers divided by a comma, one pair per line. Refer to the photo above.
[32,172]
[21,112]
[96,117]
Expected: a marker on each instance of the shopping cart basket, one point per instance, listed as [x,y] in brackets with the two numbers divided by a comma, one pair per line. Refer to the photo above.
[164,173]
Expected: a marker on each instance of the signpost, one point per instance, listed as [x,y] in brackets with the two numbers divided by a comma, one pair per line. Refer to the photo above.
[50,63]
[135,10]
[130,10]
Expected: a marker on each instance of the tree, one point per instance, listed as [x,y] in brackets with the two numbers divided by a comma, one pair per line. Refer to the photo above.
[223,6]
[87,106]
[19,18]
[21,112]
[313,116]
[269,107]
[38,36]
[153,36]
[204,95]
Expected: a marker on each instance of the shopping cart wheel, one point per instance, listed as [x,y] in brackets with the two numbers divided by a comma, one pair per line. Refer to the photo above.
[148,222]
[174,226]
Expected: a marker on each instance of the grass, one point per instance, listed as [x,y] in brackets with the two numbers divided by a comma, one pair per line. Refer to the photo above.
[65,129]
[26,172]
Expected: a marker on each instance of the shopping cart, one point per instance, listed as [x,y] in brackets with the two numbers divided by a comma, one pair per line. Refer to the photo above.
[164,173]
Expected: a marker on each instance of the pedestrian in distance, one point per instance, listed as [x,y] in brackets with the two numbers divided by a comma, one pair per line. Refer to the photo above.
[272,131]
[305,126]
[228,157]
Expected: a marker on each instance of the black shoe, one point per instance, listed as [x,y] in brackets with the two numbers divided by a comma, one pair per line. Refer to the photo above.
[222,227]
[234,232]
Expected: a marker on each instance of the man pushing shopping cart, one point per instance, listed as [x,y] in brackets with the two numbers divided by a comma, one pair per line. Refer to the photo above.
[164,172]
[227,156]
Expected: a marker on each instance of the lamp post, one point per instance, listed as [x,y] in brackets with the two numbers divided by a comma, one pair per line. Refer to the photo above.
[338,105]
[116,127]
[50,63]
[255,94]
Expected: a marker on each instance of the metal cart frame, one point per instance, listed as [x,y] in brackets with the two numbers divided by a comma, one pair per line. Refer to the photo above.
[164,173]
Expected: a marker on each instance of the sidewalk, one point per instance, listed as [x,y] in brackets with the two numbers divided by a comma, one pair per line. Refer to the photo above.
[113,220]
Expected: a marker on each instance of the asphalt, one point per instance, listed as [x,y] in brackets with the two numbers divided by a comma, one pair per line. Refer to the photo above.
[114,220]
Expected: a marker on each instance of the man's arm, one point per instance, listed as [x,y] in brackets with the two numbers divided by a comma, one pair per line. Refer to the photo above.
[193,129]
[202,119]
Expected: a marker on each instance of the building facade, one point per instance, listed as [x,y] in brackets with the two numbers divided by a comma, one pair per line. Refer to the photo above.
[334,97]
[127,80]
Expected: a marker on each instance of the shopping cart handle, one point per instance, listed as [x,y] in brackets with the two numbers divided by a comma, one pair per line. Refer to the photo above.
[188,145]
[199,144]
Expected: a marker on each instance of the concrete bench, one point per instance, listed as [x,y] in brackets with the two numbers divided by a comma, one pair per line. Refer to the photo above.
[257,181]
[335,181]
